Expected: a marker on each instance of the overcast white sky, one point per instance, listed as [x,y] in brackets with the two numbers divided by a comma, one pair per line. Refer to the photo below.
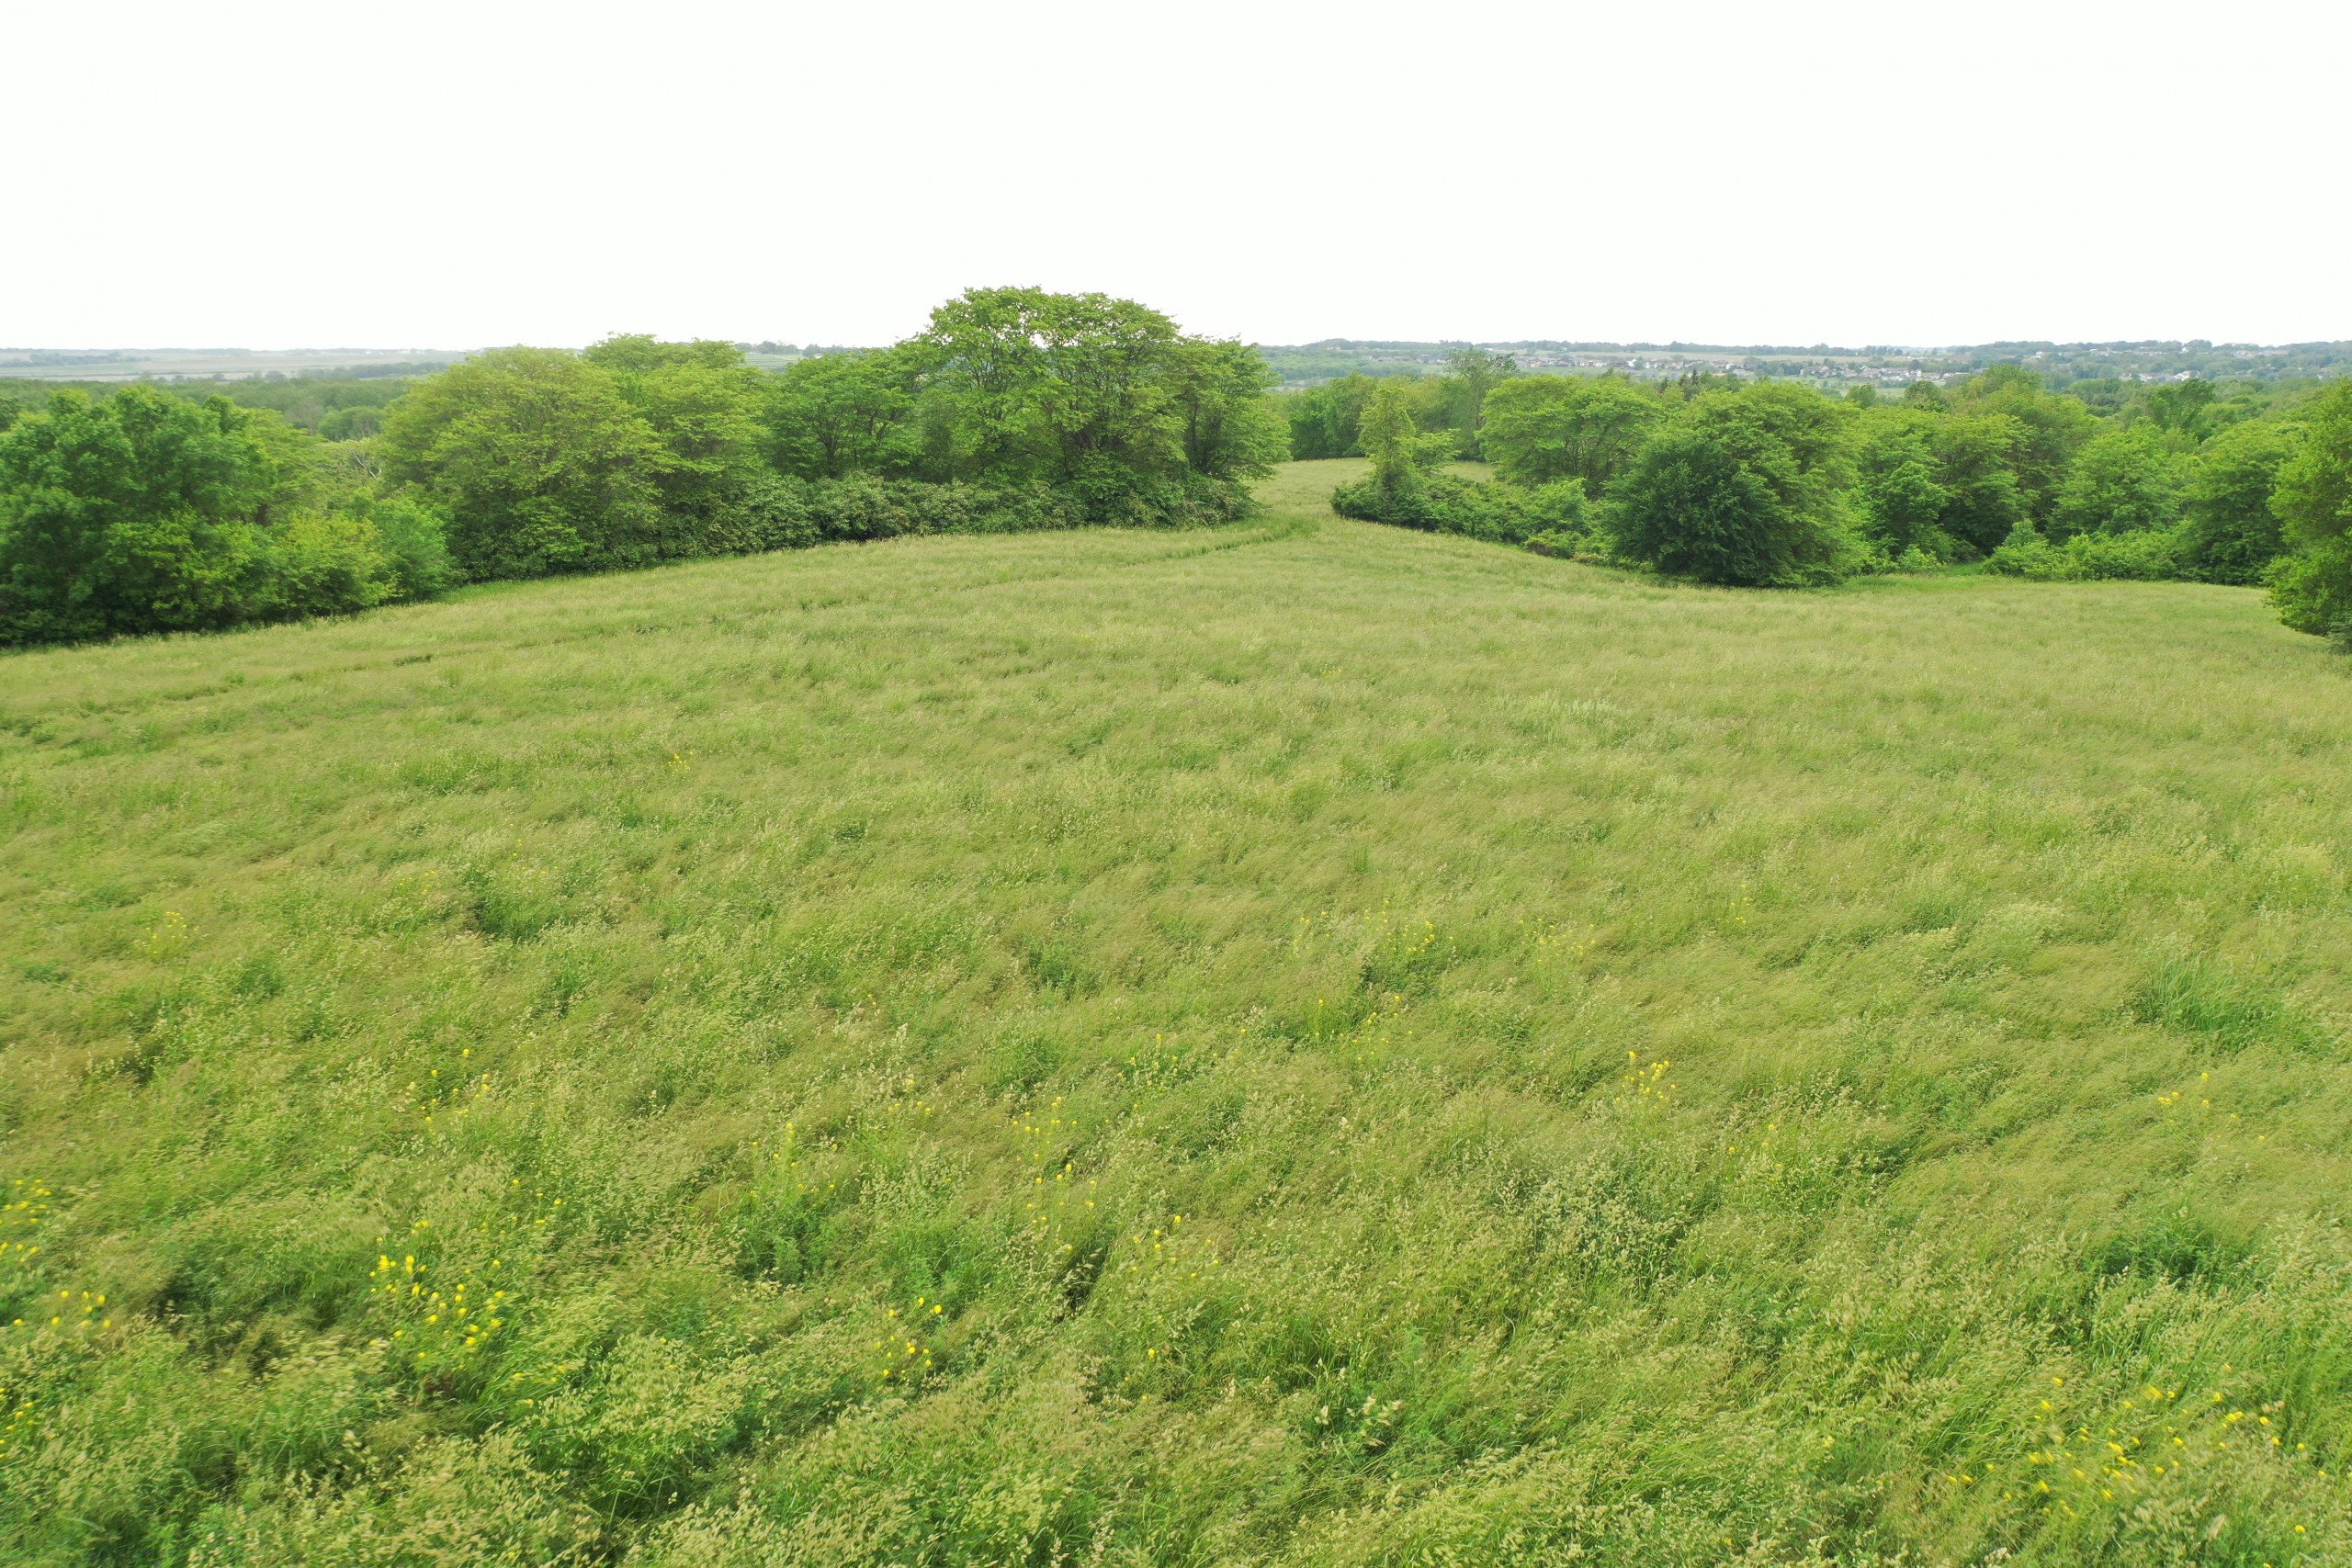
[434,175]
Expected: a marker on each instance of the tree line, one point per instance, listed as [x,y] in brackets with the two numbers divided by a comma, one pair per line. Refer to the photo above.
[1770,483]
[143,510]
[1014,409]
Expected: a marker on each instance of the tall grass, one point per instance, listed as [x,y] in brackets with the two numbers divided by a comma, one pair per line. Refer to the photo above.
[1306,1043]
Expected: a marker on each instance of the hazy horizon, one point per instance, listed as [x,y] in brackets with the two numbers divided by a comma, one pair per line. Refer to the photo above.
[1526,340]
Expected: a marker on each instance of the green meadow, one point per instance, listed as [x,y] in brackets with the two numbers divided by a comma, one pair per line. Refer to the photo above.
[1303,1043]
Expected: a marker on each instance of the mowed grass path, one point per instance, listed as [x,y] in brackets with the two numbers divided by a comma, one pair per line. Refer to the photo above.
[1308,1042]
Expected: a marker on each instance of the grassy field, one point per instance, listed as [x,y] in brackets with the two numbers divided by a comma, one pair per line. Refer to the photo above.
[1305,1043]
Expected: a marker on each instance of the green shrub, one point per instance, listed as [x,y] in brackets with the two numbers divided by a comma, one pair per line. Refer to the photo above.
[2123,481]
[2233,532]
[1903,503]
[413,539]
[1544,428]
[134,514]
[2312,588]
[1501,514]
[321,564]
[144,512]
[1690,507]
[2148,555]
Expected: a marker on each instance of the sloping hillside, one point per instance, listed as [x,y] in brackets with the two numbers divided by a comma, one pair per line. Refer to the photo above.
[1307,1042]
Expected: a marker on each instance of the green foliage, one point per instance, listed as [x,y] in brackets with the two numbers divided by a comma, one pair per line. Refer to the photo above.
[1229,428]
[843,414]
[146,513]
[1059,388]
[1381,1049]
[2177,483]
[2048,432]
[705,408]
[2125,481]
[1472,376]
[1976,467]
[339,408]
[1327,420]
[540,462]
[1018,408]
[1691,507]
[1553,517]
[1387,433]
[1925,395]
[412,540]
[2184,408]
[1903,505]
[2144,554]
[1544,428]
[1797,441]
[2233,532]
[1748,488]
[351,424]
[2315,488]
[2313,586]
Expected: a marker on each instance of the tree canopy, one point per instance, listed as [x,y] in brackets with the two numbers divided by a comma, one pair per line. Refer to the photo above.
[1543,428]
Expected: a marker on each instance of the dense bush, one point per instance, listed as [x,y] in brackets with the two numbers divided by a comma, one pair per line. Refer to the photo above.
[2148,555]
[2313,587]
[542,464]
[1016,409]
[2232,534]
[2123,481]
[1328,421]
[2039,434]
[1903,503]
[1506,514]
[1408,486]
[1694,506]
[1540,429]
[144,512]
[1771,483]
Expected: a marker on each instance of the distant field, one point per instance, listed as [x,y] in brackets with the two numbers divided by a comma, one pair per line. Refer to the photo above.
[1303,1043]
[138,365]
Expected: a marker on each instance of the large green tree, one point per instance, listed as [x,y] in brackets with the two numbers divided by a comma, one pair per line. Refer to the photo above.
[2184,408]
[1540,429]
[844,414]
[2313,587]
[707,408]
[2125,481]
[1903,505]
[1471,373]
[2233,532]
[144,512]
[1791,437]
[1689,505]
[1976,457]
[1100,398]
[2050,431]
[1060,388]
[1327,420]
[137,513]
[540,459]
[1229,426]
[1392,440]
